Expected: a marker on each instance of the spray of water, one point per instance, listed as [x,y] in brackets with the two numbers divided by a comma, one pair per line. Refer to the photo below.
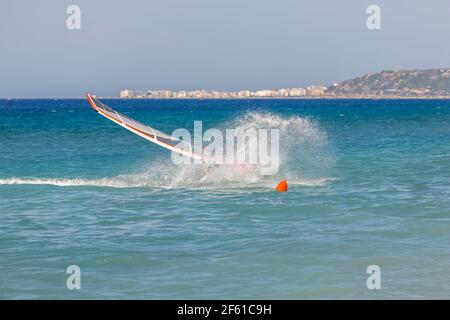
[305,159]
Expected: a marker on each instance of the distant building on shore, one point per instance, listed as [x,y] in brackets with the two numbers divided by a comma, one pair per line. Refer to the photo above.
[297,92]
[244,94]
[265,93]
[315,91]
[126,94]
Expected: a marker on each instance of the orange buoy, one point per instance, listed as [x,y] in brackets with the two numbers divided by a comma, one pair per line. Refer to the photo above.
[282,186]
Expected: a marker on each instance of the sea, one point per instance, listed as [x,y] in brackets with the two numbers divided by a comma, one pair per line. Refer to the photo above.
[366,215]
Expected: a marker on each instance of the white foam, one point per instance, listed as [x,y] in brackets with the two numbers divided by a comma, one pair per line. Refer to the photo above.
[115,182]
[133,181]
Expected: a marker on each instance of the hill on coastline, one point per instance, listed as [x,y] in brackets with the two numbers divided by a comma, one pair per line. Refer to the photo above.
[401,83]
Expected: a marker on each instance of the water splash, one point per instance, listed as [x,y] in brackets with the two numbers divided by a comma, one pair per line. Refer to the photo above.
[305,150]
[305,159]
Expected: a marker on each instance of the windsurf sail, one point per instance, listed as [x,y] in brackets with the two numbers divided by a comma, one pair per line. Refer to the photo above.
[142,130]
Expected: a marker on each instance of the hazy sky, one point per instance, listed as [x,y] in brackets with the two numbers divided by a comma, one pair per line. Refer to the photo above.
[211,44]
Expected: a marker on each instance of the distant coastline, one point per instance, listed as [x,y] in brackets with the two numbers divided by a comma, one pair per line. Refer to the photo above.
[432,84]
[397,84]
[324,97]
[310,91]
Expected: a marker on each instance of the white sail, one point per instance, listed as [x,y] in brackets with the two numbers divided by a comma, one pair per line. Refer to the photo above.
[141,129]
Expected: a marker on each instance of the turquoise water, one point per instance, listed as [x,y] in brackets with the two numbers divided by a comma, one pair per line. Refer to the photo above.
[369,184]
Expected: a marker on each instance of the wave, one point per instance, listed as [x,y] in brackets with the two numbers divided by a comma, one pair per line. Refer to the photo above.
[135,181]
[115,182]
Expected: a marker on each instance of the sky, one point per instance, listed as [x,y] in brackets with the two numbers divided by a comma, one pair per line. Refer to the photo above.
[211,44]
